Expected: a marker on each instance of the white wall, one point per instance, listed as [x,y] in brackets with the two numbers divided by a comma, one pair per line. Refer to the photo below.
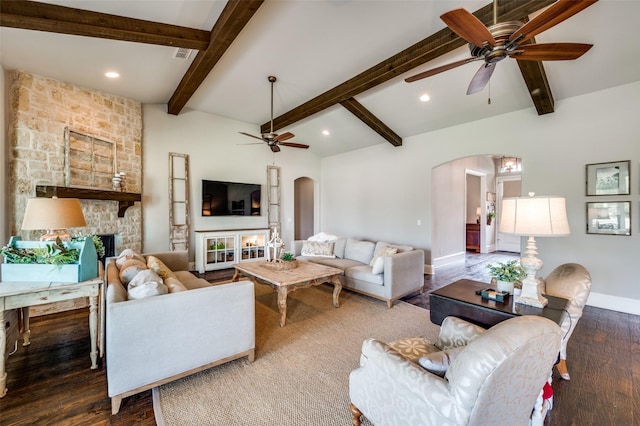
[218,152]
[382,191]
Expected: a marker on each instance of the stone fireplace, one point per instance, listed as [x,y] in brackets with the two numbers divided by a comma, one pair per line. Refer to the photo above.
[40,109]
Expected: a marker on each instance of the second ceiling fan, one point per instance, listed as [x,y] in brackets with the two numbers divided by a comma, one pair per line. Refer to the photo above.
[505,40]
[273,139]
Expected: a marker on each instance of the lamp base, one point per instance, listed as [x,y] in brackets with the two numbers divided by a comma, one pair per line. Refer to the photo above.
[54,234]
[531,294]
[529,301]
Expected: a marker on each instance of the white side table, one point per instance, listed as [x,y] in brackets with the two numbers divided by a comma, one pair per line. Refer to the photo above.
[21,295]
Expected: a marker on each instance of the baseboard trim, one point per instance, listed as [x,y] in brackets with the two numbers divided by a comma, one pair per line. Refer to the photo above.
[448,260]
[614,303]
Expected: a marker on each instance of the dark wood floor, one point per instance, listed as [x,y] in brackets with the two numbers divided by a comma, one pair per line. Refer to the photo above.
[50,382]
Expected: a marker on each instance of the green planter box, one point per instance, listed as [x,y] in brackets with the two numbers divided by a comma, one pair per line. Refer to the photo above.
[85,269]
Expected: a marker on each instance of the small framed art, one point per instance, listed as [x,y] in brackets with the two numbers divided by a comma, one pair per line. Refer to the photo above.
[610,218]
[608,178]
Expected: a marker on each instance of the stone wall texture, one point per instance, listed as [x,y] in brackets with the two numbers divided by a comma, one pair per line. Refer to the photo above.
[40,109]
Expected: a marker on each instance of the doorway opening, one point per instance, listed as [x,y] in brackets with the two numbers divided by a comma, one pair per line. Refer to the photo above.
[304,208]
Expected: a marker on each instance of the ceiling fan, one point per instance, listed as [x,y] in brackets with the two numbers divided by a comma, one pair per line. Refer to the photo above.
[505,40]
[273,139]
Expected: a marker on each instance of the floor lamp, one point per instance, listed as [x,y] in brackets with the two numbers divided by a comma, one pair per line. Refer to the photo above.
[533,217]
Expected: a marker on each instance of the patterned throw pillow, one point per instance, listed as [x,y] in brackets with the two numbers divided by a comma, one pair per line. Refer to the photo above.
[157,266]
[313,248]
[377,263]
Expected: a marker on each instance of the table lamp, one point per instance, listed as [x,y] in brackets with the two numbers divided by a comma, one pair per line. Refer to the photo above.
[533,216]
[53,214]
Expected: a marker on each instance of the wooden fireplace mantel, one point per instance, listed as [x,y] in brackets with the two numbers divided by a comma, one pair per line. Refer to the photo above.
[124,199]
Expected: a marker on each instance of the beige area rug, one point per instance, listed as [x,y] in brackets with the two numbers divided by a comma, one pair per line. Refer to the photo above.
[301,372]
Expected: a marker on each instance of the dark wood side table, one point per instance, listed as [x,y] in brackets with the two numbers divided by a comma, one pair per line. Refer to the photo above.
[459,299]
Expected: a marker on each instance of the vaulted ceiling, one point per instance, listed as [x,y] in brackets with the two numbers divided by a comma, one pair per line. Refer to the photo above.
[340,64]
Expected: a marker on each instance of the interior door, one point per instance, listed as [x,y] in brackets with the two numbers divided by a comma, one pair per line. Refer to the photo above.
[509,186]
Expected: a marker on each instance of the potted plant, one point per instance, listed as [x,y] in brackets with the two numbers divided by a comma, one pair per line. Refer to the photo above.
[506,274]
[490,217]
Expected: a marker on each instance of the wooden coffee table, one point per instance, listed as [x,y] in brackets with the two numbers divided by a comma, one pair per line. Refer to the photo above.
[307,274]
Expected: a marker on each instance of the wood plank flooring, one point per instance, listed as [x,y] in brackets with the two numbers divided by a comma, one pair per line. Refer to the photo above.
[50,382]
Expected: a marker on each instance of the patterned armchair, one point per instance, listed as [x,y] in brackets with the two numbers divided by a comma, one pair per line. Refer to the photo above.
[494,379]
[573,282]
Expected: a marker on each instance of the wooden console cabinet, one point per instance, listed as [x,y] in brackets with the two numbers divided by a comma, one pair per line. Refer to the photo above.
[223,249]
[473,236]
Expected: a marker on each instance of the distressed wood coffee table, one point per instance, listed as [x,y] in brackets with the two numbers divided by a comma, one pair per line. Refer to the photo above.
[307,274]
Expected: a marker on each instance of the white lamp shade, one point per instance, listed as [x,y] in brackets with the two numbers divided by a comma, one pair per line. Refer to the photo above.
[535,216]
[53,213]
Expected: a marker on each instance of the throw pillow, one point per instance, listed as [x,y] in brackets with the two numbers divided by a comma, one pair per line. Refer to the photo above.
[128,254]
[130,269]
[438,362]
[157,266]
[173,285]
[377,262]
[313,248]
[146,284]
[322,237]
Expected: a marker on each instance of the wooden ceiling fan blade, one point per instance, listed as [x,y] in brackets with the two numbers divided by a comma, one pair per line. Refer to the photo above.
[467,26]
[482,77]
[294,145]
[251,136]
[285,136]
[438,70]
[556,13]
[275,148]
[550,51]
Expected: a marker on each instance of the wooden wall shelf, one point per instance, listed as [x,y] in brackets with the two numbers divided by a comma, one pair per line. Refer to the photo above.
[124,199]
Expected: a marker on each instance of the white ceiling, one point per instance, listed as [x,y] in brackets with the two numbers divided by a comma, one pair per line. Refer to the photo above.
[314,45]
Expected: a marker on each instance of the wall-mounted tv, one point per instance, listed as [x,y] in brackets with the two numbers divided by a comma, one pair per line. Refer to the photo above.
[230,198]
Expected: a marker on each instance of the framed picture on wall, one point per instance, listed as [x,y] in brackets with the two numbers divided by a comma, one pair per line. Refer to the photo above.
[608,178]
[610,218]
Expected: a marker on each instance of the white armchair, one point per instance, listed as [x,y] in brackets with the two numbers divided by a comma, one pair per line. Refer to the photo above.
[573,282]
[495,379]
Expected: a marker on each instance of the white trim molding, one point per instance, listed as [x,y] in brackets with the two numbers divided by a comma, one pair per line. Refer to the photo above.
[614,303]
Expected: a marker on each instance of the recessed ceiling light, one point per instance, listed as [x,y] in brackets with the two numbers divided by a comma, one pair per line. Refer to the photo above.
[111,74]
[326,132]
[425,98]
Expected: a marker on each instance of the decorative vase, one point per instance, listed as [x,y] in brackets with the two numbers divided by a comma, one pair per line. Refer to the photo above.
[505,286]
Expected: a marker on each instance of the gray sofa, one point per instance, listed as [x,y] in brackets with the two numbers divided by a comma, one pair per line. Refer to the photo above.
[401,273]
[154,340]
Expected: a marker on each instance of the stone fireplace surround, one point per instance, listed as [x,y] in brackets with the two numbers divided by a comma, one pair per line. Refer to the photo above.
[39,110]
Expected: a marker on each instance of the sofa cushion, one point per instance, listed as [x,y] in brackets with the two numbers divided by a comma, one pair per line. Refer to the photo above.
[146,284]
[377,263]
[174,285]
[333,262]
[314,248]
[128,254]
[438,362]
[362,251]
[363,273]
[130,269]
[339,246]
[157,266]
[190,281]
[401,249]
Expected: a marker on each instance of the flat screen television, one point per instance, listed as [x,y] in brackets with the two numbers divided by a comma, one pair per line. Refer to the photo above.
[221,198]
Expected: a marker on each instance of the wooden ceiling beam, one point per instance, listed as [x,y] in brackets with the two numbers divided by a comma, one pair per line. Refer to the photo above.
[430,48]
[232,20]
[38,16]
[357,109]
[535,77]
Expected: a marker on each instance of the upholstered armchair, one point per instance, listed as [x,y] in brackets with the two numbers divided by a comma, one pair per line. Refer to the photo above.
[573,282]
[494,379]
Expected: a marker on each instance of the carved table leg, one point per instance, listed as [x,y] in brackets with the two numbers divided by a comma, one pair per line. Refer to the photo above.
[337,288]
[26,330]
[93,330]
[3,348]
[355,415]
[282,305]
[236,276]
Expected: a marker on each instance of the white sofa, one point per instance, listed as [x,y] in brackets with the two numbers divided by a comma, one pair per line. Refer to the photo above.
[400,274]
[154,340]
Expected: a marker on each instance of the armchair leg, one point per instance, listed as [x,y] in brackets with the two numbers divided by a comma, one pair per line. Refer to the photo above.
[562,369]
[355,415]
